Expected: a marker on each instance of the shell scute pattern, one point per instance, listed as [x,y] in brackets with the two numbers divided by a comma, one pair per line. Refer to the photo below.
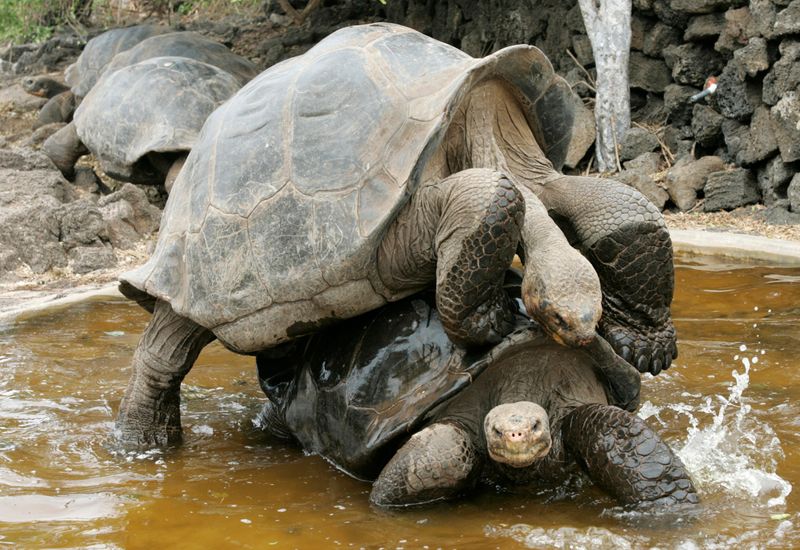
[179,94]
[338,106]
[317,154]
[190,45]
[82,75]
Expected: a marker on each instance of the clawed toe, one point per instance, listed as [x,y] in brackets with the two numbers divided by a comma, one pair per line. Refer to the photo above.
[648,353]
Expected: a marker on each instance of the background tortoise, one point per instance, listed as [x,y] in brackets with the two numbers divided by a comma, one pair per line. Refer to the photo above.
[363,171]
[82,75]
[132,45]
[190,45]
[141,119]
[528,411]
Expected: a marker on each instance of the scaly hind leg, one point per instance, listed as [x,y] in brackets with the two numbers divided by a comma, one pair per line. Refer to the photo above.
[463,232]
[625,457]
[437,463]
[150,415]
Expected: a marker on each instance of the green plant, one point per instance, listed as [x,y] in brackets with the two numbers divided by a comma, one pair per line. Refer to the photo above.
[23,20]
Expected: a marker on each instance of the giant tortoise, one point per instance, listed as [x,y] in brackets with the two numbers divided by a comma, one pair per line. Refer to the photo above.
[82,75]
[526,412]
[142,119]
[133,45]
[375,164]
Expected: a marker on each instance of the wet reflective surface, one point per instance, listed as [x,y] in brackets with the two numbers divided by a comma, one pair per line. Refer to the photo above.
[730,406]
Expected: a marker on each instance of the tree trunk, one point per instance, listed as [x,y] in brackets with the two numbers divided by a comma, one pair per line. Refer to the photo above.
[608,23]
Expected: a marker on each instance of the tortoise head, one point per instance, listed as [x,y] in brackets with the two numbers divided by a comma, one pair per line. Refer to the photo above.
[517,434]
[567,303]
[41,86]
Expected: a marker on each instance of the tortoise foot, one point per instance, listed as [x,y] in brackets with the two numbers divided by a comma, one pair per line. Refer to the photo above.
[648,350]
[437,463]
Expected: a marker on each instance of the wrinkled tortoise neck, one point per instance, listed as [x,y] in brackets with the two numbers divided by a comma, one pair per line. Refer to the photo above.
[497,135]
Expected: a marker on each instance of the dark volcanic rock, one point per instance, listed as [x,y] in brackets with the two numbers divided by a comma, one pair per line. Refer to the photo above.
[785,116]
[671,17]
[678,140]
[637,142]
[706,125]
[677,104]
[737,137]
[659,38]
[761,142]
[688,176]
[730,189]
[733,96]
[704,27]
[785,73]
[778,214]
[647,163]
[773,177]
[735,33]
[704,6]
[787,21]
[762,18]
[692,63]
[648,73]
[753,58]
[793,194]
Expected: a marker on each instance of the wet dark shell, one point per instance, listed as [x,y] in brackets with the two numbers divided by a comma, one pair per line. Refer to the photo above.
[365,385]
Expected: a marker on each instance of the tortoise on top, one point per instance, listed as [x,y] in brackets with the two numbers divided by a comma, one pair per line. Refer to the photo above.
[525,413]
[364,170]
[142,119]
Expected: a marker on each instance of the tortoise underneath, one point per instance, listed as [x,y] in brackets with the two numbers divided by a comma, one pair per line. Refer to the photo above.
[534,413]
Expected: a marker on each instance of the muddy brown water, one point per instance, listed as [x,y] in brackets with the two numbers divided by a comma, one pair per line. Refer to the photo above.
[729,406]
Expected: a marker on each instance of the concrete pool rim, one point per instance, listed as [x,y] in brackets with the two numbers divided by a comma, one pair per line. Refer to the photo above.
[686,243]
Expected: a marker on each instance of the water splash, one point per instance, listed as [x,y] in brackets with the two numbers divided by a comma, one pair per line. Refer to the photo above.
[734,451]
[562,537]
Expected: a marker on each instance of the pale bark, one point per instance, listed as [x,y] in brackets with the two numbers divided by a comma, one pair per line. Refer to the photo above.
[608,23]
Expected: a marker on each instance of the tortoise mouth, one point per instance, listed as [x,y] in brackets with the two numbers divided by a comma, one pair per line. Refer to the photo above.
[523,456]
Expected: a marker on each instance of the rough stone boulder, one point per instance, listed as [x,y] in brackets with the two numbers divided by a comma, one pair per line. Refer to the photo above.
[643,182]
[785,116]
[773,178]
[637,141]
[706,125]
[793,194]
[47,222]
[688,176]
[730,189]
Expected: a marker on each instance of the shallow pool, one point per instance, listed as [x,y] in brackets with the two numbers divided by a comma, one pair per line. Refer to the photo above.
[730,406]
